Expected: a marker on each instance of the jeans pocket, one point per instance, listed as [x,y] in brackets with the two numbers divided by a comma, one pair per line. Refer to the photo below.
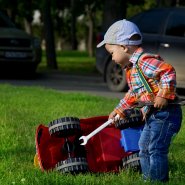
[160,115]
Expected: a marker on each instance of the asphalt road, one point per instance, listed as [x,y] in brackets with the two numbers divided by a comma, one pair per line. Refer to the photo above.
[67,83]
[93,85]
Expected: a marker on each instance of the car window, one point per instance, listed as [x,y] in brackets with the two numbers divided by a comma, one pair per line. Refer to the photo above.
[151,21]
[176,24]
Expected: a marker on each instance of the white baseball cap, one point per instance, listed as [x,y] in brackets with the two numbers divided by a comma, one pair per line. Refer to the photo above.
[120,33]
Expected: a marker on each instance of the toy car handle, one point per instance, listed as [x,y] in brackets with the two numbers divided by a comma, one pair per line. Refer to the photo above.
[86,138]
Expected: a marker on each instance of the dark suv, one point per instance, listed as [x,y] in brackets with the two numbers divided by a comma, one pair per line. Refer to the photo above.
[163,31]
[19,51]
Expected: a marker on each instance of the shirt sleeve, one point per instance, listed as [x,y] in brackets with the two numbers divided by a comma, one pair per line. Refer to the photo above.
[163,73]
[127,102]
[167,84]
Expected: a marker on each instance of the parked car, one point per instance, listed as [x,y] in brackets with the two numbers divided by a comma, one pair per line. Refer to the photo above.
[163,31]
[19,51]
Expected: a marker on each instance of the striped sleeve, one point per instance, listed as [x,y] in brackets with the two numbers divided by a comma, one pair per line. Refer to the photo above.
[164,73]
[167,81]
[127,102]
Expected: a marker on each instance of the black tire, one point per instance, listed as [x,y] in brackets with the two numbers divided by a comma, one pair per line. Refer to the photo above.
[115,77]
[132,162]
[133,119]
[64,127]
[72,165]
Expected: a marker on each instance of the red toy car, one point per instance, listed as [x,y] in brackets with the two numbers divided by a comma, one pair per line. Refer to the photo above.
[58,147]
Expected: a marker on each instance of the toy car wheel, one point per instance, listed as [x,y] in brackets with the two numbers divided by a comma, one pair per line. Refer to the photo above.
[64,127]
[72,165]
[132,161]
[133,119]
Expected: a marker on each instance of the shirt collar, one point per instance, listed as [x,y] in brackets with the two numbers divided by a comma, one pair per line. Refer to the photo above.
[133,59]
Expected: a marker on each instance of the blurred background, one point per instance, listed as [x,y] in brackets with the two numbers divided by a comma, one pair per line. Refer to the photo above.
[73,24]
[37,32]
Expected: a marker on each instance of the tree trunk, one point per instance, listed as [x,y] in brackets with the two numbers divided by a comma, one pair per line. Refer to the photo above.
[113,11]
[90,30]
[73,26]
[90,37]
[49,36]
[27,26]
[12,14]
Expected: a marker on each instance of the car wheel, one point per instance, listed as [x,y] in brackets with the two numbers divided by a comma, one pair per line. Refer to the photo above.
[72,165]
[64,127]
[115,77]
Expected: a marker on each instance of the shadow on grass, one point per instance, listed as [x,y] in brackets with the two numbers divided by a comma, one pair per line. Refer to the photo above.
[20,75]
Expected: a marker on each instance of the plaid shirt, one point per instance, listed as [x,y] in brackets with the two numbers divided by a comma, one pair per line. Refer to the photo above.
[160,76]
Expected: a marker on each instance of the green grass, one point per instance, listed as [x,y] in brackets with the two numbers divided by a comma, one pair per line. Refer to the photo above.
[72,62]
[22,109]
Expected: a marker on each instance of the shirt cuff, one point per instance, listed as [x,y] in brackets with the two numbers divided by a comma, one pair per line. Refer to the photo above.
[120,111]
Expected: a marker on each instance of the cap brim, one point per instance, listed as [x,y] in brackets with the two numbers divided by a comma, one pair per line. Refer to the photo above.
[100,44]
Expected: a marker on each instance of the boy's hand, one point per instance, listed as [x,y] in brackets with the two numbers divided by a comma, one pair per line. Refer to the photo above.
[160,102]
[113,114]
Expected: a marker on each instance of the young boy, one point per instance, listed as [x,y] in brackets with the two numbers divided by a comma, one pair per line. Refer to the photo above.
[162,121]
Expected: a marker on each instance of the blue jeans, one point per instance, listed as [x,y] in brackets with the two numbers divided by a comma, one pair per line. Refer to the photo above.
[160,127]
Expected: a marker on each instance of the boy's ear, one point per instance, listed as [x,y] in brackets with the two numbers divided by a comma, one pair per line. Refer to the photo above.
[125,48]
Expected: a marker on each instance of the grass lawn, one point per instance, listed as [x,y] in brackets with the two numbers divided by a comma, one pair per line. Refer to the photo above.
[22,109]
[72,62]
